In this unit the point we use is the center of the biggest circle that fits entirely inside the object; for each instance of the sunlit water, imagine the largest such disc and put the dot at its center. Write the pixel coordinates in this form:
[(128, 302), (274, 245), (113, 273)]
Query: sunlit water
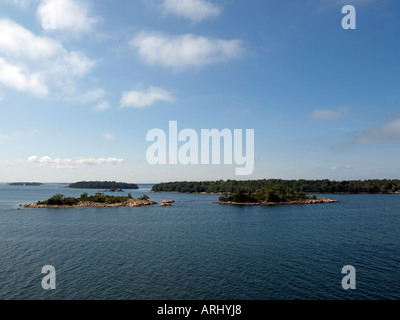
[(197, 249)]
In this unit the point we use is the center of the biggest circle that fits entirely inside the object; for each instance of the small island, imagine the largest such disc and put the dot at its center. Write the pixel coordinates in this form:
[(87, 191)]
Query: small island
[(276, 195), (99, 200), (26, 184), (102, 185), (114, 190)]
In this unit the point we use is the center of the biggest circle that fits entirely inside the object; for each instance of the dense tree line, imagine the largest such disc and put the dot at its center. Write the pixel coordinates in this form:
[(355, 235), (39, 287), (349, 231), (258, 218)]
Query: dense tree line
[(103, 185), (276, 193), (60, 200), (307, 186)]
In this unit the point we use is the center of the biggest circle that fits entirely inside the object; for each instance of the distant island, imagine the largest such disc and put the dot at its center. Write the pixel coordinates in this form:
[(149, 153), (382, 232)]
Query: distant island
[(109, 185), (307, 186), (114, 190), (271, 196), (99, 200), (26, 184)]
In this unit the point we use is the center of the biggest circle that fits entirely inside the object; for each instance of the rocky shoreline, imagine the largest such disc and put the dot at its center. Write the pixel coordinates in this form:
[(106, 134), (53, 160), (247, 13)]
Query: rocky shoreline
[(310, 201), (89, 204)]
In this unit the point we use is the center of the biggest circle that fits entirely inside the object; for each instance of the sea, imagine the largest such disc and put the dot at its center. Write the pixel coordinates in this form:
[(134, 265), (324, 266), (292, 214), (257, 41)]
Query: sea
[(199, 250)]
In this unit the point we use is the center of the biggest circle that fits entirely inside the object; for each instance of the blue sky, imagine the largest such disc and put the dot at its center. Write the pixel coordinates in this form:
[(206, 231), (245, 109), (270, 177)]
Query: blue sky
[(82, 82)]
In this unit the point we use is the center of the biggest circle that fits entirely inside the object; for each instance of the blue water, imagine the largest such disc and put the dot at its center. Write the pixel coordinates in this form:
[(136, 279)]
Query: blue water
[(197, 249)]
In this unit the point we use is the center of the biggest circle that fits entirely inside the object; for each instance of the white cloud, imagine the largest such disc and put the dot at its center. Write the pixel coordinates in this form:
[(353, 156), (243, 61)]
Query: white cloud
[(33, 159), (2, 96), (66, 15), (101, 161), (47, 161), (93, 95), (141, 99), (325, 114), (89, 96), (109, 136), (102, 106), (195, 10), (36, 64), (390, 132), (13, 77), (58, 163), (186, 50)]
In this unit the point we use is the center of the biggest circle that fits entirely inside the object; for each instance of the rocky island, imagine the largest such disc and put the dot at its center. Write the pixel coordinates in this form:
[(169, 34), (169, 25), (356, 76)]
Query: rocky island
[(167, 203), (268, 203), (277, 195), (99, 200), (114, 190)]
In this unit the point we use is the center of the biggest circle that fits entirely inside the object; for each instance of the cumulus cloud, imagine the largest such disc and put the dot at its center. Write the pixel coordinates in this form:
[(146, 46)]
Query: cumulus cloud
[(325, 114), (389, 132), (92, 95), (183, 51), (36, 64), (195, 10), (102, 106), (101, 161), (141, 99), (13, 77), (89, 96), (58, 163), (66, 15), (47, 161)]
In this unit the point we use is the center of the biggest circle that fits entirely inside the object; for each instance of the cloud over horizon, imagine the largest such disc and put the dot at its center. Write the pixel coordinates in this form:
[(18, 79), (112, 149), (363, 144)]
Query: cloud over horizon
[(58, 163)]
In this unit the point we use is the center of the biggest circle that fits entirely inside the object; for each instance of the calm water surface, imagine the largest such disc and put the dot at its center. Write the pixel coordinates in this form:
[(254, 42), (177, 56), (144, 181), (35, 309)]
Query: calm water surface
[(197, 249)]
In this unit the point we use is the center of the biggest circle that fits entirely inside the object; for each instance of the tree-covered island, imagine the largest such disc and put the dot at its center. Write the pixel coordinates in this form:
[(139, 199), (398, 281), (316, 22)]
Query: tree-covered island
[(26, 184), (271, 195), (98, 200), (109, 185), (308, 186)]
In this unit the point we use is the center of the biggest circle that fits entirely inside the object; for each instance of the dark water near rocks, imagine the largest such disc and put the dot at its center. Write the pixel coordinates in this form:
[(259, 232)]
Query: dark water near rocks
[(199, 250)]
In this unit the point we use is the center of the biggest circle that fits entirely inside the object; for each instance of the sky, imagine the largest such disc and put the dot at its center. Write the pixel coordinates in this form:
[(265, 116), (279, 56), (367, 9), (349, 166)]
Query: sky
[(83, 82)]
